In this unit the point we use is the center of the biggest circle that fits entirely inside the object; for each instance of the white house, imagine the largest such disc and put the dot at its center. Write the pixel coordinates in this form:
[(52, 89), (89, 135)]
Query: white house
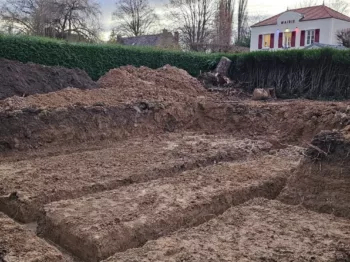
[(298, 28)]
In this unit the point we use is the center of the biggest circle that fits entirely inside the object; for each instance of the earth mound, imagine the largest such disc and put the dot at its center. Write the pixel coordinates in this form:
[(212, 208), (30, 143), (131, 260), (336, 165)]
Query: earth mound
[(119, 86), (165, 84), (322, 181), (19, 79)]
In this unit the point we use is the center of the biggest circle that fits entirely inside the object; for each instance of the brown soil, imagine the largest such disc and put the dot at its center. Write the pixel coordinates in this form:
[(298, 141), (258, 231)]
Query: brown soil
[(151, 152), (144, 84), (18, 79), (322, 181), (25, 186), (116, 220), (139, 101), (260, 230), (284, 122), (119, 86), (18, 244)]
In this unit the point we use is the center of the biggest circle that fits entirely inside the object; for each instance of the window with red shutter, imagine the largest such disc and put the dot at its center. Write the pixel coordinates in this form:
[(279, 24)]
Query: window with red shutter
[(272, 41), (260, 42), (280, 40), (293, 38), (302, 38), (317, 35)]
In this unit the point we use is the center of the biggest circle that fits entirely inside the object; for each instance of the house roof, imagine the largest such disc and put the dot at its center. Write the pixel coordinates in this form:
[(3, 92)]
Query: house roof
[(143, 40), (309, 13)]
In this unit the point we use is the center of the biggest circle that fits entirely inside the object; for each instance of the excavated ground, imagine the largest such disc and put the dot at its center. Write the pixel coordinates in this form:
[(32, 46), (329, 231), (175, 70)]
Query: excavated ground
[(116, 220), (151, 152), (322, 181), (292, 122), (19, 244), (29, 184), (260, 230)]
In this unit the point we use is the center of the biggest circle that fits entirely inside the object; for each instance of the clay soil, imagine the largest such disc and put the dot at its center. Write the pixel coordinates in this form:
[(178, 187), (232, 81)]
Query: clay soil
[(152, 167)]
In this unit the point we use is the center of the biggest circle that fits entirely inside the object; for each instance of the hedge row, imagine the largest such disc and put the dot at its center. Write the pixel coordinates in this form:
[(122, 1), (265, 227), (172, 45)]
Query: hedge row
[(315, 74), (97, 59)]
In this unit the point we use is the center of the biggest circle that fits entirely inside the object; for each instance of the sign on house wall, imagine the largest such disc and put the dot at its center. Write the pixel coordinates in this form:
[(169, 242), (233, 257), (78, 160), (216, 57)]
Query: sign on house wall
[(288, 19)]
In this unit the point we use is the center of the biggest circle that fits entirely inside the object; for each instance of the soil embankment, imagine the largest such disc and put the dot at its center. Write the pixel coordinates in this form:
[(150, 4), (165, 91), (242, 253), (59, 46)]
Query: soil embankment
[(322, 181)]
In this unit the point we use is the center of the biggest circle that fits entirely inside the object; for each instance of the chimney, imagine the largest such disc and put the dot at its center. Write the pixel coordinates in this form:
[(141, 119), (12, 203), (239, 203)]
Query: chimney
[(176, 37), (165, 32)]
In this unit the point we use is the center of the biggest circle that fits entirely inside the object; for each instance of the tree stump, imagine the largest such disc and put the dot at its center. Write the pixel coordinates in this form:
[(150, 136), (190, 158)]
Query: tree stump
[(223, 66)]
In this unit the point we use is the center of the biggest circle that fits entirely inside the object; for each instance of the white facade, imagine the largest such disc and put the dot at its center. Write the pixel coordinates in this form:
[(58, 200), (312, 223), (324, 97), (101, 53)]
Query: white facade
[(289, 22)]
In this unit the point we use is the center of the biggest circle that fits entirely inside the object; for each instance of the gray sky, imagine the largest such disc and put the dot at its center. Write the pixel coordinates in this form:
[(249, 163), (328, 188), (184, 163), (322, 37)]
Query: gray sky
[(255, 7)]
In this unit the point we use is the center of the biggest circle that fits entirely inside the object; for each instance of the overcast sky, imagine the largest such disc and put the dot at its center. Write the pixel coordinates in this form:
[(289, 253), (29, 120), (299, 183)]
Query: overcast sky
[(255, 7)]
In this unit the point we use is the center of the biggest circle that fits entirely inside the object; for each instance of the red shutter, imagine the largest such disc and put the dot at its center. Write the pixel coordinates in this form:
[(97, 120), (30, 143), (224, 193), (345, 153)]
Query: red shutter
[(272, 41), (260, 41), (302, 38), (280, 40), (294, 34), (317, 35)]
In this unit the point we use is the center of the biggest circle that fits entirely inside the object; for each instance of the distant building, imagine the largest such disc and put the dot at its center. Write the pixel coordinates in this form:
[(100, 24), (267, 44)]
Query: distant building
[(164, 40), (299, 28)]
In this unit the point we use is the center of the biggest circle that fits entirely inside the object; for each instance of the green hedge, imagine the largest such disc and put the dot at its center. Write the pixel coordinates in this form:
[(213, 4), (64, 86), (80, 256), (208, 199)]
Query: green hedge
[(97, 59), (315, 74)]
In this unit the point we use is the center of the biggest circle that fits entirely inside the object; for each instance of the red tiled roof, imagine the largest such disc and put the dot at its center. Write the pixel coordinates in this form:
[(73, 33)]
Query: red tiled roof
[(309, 13)]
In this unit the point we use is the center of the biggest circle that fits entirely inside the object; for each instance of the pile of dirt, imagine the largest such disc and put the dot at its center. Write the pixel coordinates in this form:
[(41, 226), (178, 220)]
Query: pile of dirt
[(18, 79), (119, 86), (165, 84), (322, 181)]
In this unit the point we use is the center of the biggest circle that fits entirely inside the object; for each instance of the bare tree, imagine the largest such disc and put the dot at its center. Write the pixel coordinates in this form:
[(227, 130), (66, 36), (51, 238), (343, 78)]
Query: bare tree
[(196, 21), (55, 18), (224, 22), (341, 6), (307, 3), (253, 19), (343, 37), (134, 17), (26, 16), (78, 17), (242, 20), (113, 37)]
